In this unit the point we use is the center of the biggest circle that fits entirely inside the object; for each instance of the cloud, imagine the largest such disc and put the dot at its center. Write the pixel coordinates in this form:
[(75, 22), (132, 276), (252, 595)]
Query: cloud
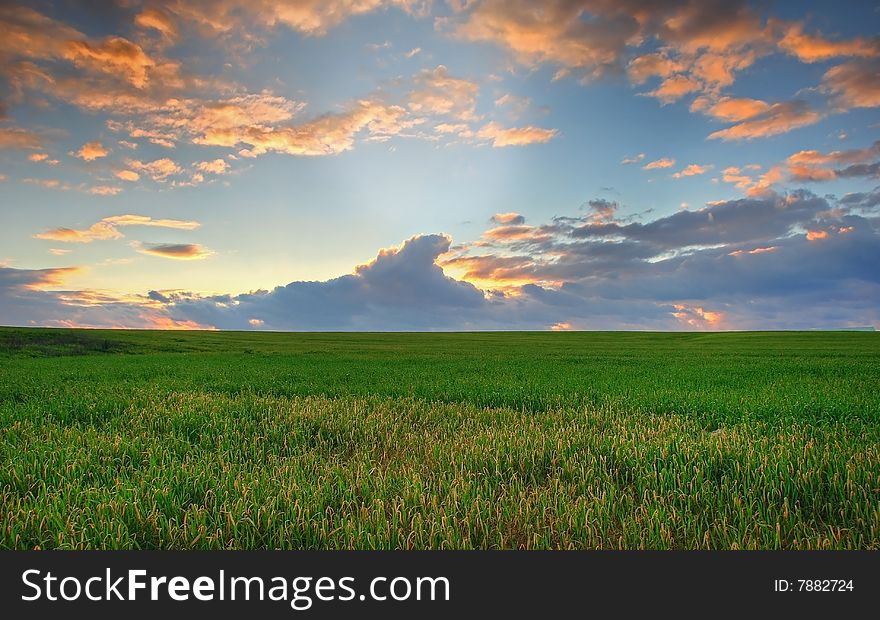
[(674, 88), (152, 18), (115, 56), (508, 218), (601, 211), (105, 190), (646, 66), (108, 228), (813, 165), (114, 72), (815, 48), (633, 160), (515, 136), (691, 170), (127, 175), (47, 183), (779, 261), (330, 134), (657, 164), (239, 18), (438, 93), (554, 32), (702, 43), (44, 158), (853, 84), (515, 105), (216, 166), (176, 251), (91, 151), (777, 119), (18, 138), (158, 170), (402, 288), (31, 297), (731, 109)]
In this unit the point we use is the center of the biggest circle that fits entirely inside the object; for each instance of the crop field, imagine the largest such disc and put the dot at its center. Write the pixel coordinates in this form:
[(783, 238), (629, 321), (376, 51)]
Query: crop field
[(233, 440)]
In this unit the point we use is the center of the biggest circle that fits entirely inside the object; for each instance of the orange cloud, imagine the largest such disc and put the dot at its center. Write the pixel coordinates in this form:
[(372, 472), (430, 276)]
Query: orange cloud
[(176, 251), (161, 22), (853, 156), (311, 17), (737, 109), (217, 166), (658, 164), (51, 278), (641, 68), (108, 227), (547, 32), (815, 48), (167, 323), (508, 218), (158, 170), (762, 186), (492, 272), (91, 151), (633, 160), (815, 235), (26, 30), (853, 84), (698, 317), (718, 69), (691, 170), (813, 165), (127, 175), (115, 56), (17, 138), (43, 157), (674, 88), (766, 250), (439, 93), (326, 135), (104, 190), (514, 232), (515, 136), (561, 327), (779, 118)]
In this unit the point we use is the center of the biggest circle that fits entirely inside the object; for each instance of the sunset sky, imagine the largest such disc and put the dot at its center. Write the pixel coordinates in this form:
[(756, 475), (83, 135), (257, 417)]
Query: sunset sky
[(460, 164)]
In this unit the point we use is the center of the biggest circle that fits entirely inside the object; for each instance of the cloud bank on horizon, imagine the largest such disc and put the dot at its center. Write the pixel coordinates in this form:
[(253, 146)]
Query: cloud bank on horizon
[(158, 158)]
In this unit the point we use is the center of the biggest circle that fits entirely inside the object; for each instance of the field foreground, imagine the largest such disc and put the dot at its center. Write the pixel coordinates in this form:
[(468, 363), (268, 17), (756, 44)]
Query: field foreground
[(123, 439)]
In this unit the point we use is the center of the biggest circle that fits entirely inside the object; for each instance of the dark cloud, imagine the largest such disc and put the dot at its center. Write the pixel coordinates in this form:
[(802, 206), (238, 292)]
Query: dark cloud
[(178, 251), (782, 261), (727, 222), (400, 289)]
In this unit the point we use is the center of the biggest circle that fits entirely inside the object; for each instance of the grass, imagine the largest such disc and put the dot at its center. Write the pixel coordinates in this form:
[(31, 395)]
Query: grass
[(490, 440)]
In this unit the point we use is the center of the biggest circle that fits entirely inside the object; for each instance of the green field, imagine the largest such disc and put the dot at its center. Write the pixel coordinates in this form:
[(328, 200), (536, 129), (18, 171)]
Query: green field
[(125, 439)]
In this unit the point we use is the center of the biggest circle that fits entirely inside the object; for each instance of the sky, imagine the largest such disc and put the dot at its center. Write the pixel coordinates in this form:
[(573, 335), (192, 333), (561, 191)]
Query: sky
[(448, 165)]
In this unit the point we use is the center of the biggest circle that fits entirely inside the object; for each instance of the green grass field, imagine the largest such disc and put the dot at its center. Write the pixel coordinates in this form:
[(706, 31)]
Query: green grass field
[(124, 439)]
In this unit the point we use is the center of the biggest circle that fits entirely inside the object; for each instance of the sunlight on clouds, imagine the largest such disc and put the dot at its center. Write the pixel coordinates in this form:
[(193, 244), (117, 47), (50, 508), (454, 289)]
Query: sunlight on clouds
[(778, 118), (515, 136), (91, 151), (175, 251), (659, 164), (108, 228)]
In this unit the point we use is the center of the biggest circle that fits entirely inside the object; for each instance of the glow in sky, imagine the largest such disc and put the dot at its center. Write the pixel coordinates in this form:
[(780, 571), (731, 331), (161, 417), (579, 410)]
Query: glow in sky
[(460, 164)]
